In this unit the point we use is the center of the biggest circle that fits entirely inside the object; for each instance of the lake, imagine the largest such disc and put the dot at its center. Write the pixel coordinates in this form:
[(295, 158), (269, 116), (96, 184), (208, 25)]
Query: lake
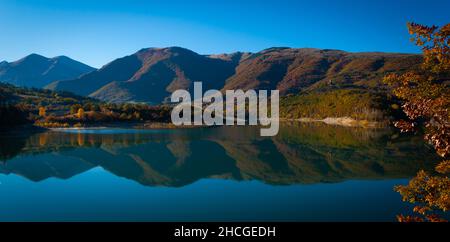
[(308, 172)]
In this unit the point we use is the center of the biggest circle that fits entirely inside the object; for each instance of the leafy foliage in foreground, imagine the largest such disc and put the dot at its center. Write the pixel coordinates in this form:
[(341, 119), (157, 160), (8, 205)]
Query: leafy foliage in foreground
[(426, 104)]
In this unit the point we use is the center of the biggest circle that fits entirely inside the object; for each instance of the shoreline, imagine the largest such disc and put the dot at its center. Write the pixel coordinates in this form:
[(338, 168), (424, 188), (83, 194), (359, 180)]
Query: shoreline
[(134, 125), (341, 121)]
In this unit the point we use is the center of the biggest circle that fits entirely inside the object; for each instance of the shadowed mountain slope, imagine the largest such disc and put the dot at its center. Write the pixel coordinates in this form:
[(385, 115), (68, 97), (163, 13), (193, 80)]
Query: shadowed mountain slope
[(38, 71), (151, 75)]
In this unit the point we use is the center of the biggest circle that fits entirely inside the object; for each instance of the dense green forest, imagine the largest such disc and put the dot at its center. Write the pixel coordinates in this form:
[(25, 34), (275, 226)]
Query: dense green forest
[(356, 103)]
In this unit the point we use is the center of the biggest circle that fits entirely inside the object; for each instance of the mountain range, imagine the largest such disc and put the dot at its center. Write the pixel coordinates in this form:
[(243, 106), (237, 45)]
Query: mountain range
[(38, 71), (152, 74)]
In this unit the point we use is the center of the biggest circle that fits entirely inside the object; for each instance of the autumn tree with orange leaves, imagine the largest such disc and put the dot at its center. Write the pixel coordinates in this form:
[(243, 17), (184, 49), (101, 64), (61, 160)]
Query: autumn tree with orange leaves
[(426, 99)]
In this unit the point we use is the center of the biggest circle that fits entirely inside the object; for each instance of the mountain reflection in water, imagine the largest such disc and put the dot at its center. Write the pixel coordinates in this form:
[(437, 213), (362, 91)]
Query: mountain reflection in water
[(300, 154)]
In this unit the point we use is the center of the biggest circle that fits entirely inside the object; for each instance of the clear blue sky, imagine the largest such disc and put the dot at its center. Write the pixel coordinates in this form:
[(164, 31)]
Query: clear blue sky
[(96, 32)]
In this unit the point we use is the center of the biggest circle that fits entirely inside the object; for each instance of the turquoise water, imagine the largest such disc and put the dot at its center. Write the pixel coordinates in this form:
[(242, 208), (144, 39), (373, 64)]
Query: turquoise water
[(305, 173)]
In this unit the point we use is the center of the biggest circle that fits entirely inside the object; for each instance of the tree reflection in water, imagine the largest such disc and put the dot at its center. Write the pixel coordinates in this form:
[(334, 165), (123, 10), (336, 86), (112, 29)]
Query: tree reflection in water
[(300, 154)]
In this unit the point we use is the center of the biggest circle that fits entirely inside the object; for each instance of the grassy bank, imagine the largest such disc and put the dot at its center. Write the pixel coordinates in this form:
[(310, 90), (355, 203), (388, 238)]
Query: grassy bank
[(355, 104)]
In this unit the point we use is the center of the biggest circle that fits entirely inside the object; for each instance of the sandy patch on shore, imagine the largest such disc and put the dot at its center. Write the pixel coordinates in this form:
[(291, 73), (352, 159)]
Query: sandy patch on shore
[(342, 121)]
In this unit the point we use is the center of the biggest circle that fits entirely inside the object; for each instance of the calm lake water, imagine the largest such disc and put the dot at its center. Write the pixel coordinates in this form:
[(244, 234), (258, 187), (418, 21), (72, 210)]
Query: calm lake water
[(308, 172)]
